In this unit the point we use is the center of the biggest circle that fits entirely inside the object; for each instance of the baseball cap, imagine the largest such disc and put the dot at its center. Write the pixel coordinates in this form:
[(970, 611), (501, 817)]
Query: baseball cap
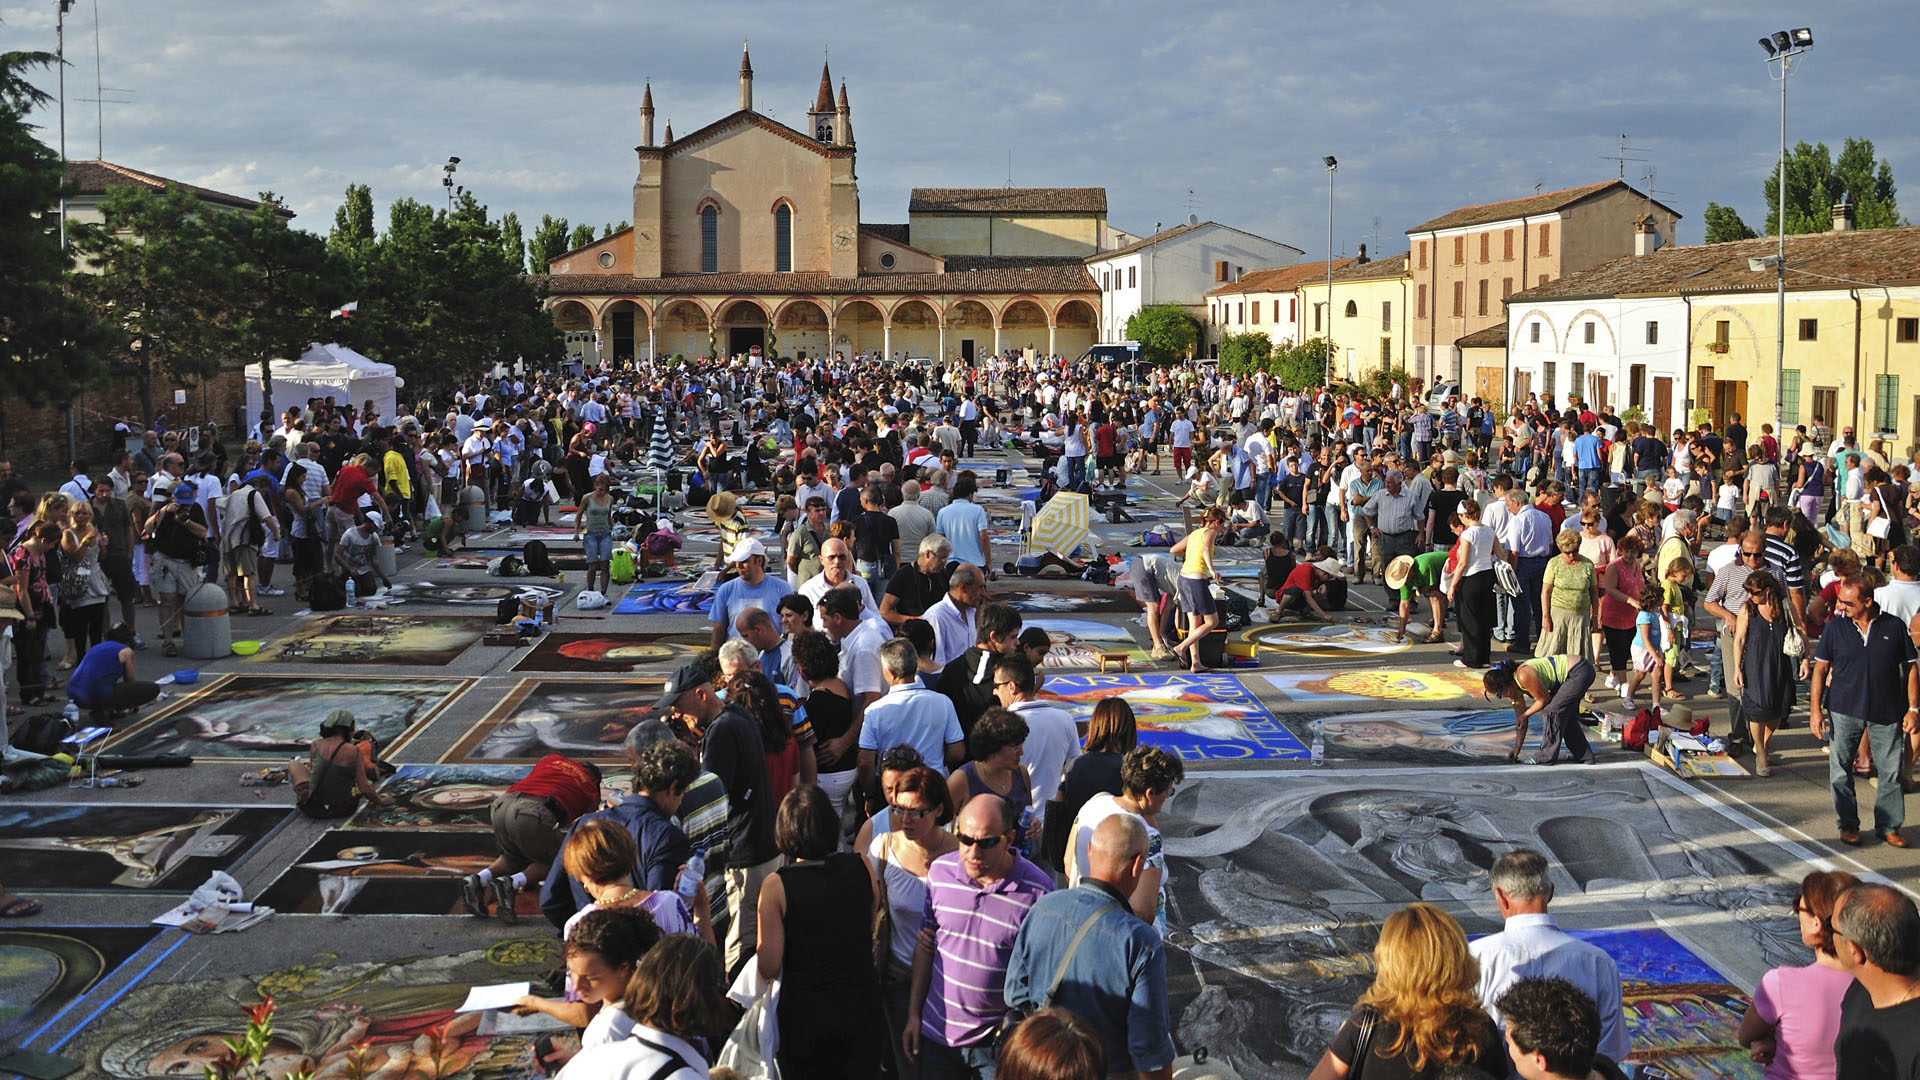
[(686, 678), (747, 549), (186, 493), (378, 521)]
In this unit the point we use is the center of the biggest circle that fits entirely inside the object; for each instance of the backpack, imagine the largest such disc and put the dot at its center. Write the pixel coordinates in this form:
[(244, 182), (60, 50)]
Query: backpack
[(506, 610), (620, 568), (534, 555), (326, 592), (1236, 611), (40, 734), (1644, 723)]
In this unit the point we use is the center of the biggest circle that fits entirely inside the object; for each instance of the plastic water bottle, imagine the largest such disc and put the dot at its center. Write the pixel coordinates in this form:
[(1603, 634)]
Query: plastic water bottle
[(71, 714), (1318, 753), (1021, 831), (351, 600), (688, 883)]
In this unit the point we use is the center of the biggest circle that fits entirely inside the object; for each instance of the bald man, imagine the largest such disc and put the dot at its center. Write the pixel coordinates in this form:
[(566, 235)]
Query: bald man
[(836, 569)]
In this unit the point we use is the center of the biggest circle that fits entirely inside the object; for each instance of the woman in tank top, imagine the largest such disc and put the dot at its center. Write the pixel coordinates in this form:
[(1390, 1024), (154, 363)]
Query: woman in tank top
[(594, 523), (996, 743)]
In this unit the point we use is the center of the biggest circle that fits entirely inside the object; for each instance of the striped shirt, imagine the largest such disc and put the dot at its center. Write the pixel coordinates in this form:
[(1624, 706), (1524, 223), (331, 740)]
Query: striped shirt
[(1784, 560), (974, 928)]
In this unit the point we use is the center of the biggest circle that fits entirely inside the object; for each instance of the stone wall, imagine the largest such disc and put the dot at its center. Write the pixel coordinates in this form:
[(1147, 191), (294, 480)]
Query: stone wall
[(35, 440)]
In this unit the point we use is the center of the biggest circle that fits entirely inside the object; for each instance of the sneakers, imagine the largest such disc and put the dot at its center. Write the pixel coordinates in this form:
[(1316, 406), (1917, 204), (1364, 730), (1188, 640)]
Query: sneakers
[(473, 896), (139, 642), (268, 590), (503, 898), (1612, 684), (1162, 653), (1627, 702)]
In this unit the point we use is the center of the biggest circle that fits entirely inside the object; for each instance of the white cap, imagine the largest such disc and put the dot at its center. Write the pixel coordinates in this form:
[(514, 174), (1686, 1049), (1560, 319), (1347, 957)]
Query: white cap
[(378, 521), (747, 549)]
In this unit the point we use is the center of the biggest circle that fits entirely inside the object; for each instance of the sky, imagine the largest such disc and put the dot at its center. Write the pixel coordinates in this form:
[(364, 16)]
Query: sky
[(1221, 111)]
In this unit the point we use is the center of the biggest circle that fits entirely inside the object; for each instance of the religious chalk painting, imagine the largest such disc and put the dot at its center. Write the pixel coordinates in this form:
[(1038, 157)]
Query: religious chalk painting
[(486, 595), (665, 598), (585, 720), (1319, 639), (43, 969), (126, 846), (611, 653), (386, 872), (269, 717), (1278, 883), (403, 1010), (1196, 716), (456, 797), (1031, 596), (422, 640), (1377, 684)]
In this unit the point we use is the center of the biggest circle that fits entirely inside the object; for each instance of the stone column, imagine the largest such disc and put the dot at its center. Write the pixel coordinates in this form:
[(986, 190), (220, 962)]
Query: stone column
[(886, 338)]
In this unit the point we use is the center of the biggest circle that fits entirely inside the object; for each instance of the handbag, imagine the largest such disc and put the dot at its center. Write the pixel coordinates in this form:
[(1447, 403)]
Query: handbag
[(1017, 1013), (1505, 578), (882, 918), (1363, 1041), (1794, 643)]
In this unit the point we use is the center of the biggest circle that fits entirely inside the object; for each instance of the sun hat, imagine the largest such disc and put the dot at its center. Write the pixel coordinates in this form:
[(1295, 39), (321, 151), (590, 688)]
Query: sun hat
[(1398, 570)]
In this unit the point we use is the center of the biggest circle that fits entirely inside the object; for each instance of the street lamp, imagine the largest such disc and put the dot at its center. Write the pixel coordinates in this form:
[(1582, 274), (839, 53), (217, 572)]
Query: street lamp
[(447, 180), (1332, 165), (1784, 46)]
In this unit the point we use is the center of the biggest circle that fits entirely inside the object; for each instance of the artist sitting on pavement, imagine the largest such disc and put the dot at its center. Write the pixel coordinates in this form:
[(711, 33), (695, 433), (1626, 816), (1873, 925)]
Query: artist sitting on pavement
[(353, 555), (341, 766), (105, 680)]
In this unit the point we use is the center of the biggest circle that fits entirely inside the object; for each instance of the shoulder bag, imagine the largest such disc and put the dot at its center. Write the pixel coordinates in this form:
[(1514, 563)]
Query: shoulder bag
[(1363, 1041), (1016, 1013), (882, 917)]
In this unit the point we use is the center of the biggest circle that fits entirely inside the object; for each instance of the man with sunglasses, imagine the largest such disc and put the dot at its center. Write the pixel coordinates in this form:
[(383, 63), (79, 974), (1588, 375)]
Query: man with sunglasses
[(1723, 601), (977, 899), (1864, 673)]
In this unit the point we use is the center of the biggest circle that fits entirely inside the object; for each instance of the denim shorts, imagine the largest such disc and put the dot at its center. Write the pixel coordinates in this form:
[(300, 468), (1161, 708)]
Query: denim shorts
[(599, 547)]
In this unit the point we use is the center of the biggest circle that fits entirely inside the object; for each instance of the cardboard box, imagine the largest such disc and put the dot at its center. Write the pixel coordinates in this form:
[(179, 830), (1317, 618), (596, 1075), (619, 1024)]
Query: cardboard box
[(1696, 766)]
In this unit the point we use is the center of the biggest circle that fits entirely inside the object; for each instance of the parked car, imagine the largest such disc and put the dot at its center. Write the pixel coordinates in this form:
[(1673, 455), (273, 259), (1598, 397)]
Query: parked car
[(1438, 397)]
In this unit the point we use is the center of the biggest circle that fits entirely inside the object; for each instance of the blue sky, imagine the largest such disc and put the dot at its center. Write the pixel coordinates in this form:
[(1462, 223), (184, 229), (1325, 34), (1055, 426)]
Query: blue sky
[(1428, 106)]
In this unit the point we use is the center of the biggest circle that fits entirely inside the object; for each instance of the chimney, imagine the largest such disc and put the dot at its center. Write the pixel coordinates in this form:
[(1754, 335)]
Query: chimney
[(1646, 240), (746, 81), (646, 117), (1842, 216), (1362, 260)]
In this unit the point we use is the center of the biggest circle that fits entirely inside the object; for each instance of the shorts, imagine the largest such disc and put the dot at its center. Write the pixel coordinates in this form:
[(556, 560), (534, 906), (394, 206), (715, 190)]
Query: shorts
[(1108, 461), (599, 547), (174, 577), (526, 829), (1146, 588), (244, 561), (1645, 661), (1196, 597)]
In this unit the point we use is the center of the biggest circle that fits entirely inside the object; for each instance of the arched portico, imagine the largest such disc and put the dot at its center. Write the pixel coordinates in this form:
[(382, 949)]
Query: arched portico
[(802, 324), (684, 326), (741, 324), (860, 326), (973, 329), (1023, 325), (1075, 329), (625, 327), (914, 329)]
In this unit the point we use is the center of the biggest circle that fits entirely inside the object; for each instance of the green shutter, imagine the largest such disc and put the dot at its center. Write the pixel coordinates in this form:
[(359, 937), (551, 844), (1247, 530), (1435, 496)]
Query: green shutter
[(1790, 397), (1886, 403)]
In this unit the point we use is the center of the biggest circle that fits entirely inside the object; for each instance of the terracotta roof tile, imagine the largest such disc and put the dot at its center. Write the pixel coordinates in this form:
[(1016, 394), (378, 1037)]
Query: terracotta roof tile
[(96, 177), (1091, 200), (1392, 266), (1542, 203), (1493, 337), (1881, 256), (1069, 276), (1279, 278)]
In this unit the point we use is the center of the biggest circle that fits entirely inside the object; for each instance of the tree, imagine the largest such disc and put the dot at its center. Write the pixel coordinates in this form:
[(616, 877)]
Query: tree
[(286, 282), (1242, 354), (352, 237), (1816, 182), (1166, 333), (549, 242), (513, 243), (1300, 366), (582, 236), (50, 339), (1724, 224)]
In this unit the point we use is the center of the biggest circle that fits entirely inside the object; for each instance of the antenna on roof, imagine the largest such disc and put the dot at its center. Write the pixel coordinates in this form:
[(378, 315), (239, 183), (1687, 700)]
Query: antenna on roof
[(1623, 156), (1374, 236), (101, 100), (1537, 185), (1191, 218), (1009, 166)]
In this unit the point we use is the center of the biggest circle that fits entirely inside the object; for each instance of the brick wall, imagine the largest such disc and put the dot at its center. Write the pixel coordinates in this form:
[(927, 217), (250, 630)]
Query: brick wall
[(35, 440)]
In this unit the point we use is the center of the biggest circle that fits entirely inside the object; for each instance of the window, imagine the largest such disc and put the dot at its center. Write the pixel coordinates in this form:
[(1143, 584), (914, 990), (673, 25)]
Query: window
[(1721, 331), (1419, 357), (1579, 379), (1386, 315), (1542, 280), (1506, 245), (1483, 296), (1547, 373), (1546, 238), (1790, 397), (1106, 281), (783, 239), (1459, 250), (1276, 309), (886, 260), (1240, 312), (1826, 403), (1506, 287), (1533, 332), (1810, 331), (1653, 333), (1459, 298), (1485, 240), (1420, 302), (1886, 403), (1353, 309), (1906, 331), (1588, 332), (1133, 277), (1256, 312), (1423, 254), (709, 239), (1316, 317), (1637, 385), (1220, 271), (1386, 353)]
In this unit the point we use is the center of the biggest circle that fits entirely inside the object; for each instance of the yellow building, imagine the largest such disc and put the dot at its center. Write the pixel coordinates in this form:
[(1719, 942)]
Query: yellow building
[(1009, 221), (1368, 329), (1264, 302)]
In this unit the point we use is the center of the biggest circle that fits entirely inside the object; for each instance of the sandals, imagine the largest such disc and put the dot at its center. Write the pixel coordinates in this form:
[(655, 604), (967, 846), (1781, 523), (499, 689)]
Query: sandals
[(255, 610), (1433, 639)]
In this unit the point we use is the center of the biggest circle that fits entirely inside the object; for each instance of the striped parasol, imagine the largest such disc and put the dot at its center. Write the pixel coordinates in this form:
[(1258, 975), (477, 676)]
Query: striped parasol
[(1061, 525), (660, 451)]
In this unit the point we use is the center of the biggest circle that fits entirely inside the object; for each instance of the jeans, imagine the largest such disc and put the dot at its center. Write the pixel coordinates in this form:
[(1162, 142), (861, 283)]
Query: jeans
[(1884, 742), (1293, 522), (1560, 720), (1333, 531), (940, 1062), (1526, 606), (1263, 490), (1717, 671), (1076, 472), (1590, 480), (1502, 616), (879, 574)]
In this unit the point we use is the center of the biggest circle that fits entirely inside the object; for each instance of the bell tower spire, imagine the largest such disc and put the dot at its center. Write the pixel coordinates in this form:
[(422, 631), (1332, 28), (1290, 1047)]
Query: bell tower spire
[(746, 80), (646, 116), (820, 118)]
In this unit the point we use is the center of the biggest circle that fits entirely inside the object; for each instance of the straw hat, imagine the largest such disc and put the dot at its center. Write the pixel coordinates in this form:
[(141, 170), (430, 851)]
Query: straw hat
[(721, 507), (1398, 571), (10, 604)]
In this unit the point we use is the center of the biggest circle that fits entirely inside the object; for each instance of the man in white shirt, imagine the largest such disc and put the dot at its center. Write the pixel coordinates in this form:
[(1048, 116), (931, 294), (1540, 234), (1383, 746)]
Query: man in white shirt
[(955, 617), (1900, 597), (1053, 738), (840, 618), (1532, 945), (836, 571), (909, 713)]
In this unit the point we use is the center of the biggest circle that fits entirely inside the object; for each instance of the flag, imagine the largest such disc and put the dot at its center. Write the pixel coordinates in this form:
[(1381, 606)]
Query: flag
[(345, 311)]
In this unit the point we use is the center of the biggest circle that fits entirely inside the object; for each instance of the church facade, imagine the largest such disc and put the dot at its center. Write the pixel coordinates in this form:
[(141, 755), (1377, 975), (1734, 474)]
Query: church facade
[(748, 233)]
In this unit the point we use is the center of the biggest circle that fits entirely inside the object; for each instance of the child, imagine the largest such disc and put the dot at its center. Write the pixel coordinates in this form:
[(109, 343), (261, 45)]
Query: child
[(601, 952), (1727, 501), (1673, 489), (1651, 633), (1673, 597)]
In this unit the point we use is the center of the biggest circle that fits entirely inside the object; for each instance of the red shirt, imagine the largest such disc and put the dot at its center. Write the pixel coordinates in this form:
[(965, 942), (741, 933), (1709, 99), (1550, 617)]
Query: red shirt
[(1301, 578), (1104, 439), (352, 483), (565, 781), (1555, 510)]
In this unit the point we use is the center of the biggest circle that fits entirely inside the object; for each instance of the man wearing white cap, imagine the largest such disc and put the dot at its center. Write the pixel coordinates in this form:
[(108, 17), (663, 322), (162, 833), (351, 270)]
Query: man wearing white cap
[(752, 589)]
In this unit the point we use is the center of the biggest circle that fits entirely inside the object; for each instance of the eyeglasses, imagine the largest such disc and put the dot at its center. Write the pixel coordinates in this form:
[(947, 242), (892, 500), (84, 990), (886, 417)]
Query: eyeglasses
[(983, 843), (1003, 684), (914, 813), (1753, 554)]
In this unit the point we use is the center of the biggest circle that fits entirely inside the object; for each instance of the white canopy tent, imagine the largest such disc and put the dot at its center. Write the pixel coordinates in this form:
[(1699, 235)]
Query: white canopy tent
[(325, 371)]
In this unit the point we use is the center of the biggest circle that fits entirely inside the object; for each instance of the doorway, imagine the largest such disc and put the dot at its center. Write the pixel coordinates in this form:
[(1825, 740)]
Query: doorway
[(966, 349), (743, 339), (1662, 405)]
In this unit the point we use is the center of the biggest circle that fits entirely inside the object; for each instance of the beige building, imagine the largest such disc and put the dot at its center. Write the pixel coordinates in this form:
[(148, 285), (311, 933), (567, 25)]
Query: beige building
[(747, 233), (1369, 326), (1264, 302), (1465, 263)]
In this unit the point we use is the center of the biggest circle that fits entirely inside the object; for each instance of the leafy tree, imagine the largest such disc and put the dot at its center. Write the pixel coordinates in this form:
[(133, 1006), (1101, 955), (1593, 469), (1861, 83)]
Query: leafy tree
[(549, 242), (1815, 182), (286, 283), (1300, 366), (513, 243), (352, 237), (165, 277), (1724, 224), (1242, 354), (582, 236), (51, 340), (1166, 332)]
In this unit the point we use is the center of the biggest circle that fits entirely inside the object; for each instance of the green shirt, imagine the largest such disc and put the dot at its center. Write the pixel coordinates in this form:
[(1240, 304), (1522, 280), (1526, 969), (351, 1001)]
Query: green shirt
[(1572, 584), (1427, 571)]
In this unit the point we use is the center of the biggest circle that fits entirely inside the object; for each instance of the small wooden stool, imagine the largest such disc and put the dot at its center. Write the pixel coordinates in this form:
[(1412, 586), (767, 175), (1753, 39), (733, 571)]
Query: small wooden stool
[(1116, 657)]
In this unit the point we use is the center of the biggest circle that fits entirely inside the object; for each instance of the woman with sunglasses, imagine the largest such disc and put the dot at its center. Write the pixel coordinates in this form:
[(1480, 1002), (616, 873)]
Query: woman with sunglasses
[(1763, 674), (918, 807), (1795, 1015)]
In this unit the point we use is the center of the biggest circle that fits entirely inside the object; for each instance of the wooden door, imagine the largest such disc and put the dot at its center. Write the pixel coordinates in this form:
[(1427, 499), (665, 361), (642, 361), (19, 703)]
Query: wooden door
[(1663, 405), (1600, 399), (1522, 386)]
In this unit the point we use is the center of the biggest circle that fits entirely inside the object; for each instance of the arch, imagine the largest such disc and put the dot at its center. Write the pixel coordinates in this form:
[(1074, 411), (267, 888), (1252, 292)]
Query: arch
[(783, 214), (791, 303), (683, 325), (907, 310), (969, 311), (1076, 327), (572, 315), (624, 323), (860, 326), (1065, 315), (1353, 310), (914, 326), (1574, 323), (1704, 318), (1552, 333), (1017, 309), (729, 311)]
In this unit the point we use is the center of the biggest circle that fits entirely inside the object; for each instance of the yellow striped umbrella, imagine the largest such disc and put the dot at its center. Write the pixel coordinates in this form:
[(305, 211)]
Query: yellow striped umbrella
[(1061, 525)]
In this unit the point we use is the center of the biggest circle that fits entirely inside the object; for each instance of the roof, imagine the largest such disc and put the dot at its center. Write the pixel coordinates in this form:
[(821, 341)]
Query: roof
[(595, 242), (1069, 276), (1278, 279), (97, 177), (895, 233), (1543, 203), (1857, 256), (1009, 262), (1165, 235), (1011, 200), (1493, 337), (1392, 266), (739, 118)]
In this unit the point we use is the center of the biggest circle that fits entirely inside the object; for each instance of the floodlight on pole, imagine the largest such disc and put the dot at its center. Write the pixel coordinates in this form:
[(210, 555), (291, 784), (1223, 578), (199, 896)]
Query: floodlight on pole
[(1784, 47)]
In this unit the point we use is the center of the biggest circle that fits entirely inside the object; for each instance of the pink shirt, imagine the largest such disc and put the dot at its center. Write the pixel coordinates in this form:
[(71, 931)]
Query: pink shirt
[(1803, 1005)]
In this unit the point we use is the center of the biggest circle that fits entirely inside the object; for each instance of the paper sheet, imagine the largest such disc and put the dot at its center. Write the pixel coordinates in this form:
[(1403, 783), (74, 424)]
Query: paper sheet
[(498, 996)]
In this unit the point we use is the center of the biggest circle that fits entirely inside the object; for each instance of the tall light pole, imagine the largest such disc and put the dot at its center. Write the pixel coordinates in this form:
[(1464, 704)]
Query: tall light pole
[(1782, 46), (60, 46), (1332, 165), (446, 181)]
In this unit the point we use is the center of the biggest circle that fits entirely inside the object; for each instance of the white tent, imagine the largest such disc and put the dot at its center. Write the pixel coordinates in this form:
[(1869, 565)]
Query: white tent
[(325, 371)]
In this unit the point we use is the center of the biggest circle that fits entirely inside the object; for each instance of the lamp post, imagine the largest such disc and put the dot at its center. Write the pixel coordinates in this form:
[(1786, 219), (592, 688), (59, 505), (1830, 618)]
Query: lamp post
[(1783, 46), (60, 40), (446, 181), (1332, 165)]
